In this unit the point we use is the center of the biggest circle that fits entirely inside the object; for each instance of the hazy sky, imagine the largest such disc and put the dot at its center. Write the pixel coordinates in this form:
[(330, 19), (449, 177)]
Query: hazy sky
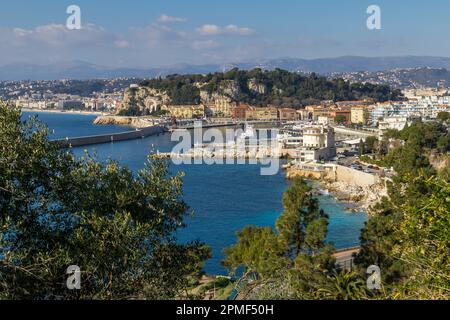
[(148, 33)]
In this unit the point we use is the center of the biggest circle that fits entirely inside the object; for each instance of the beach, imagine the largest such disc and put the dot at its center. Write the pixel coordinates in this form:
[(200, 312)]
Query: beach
[(90, 113)]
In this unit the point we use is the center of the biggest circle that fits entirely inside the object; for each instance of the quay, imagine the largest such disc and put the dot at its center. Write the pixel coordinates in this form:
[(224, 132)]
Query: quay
[(108, 138)]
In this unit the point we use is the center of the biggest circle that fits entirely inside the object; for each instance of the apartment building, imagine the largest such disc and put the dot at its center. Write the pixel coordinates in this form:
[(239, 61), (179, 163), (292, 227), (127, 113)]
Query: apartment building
[(185, 111), (359, 115)]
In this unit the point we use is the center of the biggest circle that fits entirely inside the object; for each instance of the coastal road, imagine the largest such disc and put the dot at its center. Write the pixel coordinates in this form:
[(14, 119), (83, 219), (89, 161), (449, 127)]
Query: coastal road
[(344, 258)]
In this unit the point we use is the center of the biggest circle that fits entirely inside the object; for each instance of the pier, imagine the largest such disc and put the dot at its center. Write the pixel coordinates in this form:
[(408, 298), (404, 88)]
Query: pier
[(112, 137)]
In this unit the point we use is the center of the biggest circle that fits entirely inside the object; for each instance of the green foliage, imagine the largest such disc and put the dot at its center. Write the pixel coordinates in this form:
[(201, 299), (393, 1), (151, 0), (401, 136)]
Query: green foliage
[(343, 285), (443, 116), (370, 144), (257, 250), (424, 134), (57, 210), (185, 94), (408, 237), (378, 239), (426, 246), (391, 134), (443, 143), (362, 148), (302, 226), (340, 119)]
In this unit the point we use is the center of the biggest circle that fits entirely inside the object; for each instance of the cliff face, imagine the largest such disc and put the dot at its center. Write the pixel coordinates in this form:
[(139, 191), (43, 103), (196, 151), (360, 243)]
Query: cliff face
[(143, 100), (254, 86)]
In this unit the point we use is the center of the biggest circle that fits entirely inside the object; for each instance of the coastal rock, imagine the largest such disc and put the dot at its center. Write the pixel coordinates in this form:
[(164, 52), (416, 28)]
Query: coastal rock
[(364, 197), (135, 122)]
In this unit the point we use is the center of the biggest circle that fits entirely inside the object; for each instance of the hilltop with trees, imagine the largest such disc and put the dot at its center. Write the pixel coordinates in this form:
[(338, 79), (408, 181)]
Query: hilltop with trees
[(260, 88)]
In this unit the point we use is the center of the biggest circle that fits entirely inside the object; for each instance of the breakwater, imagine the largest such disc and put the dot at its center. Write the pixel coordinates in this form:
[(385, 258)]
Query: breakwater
[(108, 138)]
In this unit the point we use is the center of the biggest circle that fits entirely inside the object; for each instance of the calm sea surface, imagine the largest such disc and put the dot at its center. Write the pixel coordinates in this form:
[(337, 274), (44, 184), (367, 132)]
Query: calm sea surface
[(225, 198)]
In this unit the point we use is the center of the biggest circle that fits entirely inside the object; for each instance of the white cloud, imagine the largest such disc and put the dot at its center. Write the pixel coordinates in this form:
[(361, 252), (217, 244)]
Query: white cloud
[(154, 44), (231, 29), (54, 42), (164, 18), (57, 35), (243, 31), (156, 35), (209, 29)]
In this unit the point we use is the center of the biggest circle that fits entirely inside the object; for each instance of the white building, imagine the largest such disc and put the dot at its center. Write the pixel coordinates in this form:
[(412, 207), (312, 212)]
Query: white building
[(318, 144), (393, 123), (426, 107)]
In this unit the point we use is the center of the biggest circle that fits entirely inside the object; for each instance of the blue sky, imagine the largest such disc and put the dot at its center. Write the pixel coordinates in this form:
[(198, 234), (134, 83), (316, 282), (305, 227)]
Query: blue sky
[(151, 33)]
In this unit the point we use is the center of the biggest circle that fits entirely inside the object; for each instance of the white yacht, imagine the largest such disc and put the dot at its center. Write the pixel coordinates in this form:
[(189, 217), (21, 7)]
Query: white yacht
[(248, 133)]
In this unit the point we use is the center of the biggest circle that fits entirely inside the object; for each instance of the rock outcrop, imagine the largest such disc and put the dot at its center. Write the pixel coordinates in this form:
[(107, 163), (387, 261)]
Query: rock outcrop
[(143, 101), (364, 198), (256, 87), (135, 122)]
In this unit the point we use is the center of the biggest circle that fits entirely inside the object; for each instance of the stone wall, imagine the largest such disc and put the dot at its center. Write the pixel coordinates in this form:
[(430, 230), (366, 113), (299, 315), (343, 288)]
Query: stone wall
[(351, 176), (335, 173)]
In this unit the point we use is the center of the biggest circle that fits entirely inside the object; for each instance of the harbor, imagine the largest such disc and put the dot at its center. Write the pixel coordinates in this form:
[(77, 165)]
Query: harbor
[(251, 199)]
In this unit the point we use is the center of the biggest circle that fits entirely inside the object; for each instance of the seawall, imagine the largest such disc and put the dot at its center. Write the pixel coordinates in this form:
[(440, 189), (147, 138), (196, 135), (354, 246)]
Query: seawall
[(108, 138)]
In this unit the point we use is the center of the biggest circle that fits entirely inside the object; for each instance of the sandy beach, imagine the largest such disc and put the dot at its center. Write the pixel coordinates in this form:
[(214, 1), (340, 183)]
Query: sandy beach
[(92, 113)]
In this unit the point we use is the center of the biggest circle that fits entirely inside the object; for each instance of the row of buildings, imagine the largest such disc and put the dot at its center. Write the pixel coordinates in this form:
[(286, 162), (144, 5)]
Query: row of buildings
[(369, 113), (345, 112), (105, 102), (101, 103), (235, 111)]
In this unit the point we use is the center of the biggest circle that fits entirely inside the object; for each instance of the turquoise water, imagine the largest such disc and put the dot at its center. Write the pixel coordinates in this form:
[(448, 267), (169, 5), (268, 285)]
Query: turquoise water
[(73, 125), (225, 198)]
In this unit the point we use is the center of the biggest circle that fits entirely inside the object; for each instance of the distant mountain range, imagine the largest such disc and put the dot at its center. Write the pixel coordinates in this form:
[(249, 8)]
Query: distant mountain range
[(85, 70)]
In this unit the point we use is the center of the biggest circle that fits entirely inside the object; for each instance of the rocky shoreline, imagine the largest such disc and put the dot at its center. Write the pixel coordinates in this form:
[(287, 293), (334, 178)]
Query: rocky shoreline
[(363, 198)]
